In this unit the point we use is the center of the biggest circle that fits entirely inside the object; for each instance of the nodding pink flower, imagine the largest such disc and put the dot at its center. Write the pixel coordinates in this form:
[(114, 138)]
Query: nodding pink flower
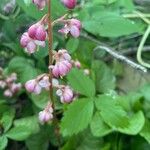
[(15, 87), (44, 83), (63, 55), (66, 94), (73, 26), (61, 68), (37, 32), (40, 3), (32, 86), (11, 78), (30, 44), (46, 115), (8, 93), (69, 3)]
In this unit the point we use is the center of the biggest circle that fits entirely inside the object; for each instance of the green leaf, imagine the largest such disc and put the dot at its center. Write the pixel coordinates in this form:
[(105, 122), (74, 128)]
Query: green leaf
[(98, 127), (23, 68), (3, 142), (72, 45), (23, 128), (7, 119), (105, 2), (136, 123), (104, 78), (145, 90), (81, 83), (77, 117), (146, 131), (40, 100), (110, 24), (112, 113)]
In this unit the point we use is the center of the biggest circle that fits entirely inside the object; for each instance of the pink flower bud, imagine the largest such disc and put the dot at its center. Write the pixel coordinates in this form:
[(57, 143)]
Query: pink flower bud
[(40, 3), (8, 93), (77, 64), (33, 87), (28, 43), (37, 32), (63, 55), (15, 87), (73, 26), (61, 68), (69, 3), (46, 115), (66, 94)]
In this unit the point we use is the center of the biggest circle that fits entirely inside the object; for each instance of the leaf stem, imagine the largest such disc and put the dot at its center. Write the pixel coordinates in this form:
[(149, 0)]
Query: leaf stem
[(140, 48)]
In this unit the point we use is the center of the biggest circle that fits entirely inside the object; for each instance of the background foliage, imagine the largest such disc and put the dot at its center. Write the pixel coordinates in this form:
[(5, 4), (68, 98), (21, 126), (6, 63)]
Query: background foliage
[(113, 109)]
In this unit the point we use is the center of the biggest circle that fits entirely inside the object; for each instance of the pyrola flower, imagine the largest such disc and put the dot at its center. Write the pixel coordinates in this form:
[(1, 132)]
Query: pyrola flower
[(46, 115), (69, 3), (65, 93), (37, 32), (72, 26), (8, 93), (40, 3)]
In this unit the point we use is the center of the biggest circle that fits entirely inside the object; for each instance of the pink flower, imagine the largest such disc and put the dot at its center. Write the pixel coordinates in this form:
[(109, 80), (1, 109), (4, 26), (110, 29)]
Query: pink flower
[(32, 86), (40, 3), (61, 68), (46, 115), (15, 87), (8, 93), (30, 44), (69, 3), (37, 32), (73, 26), (66, 94), (77, 64), (63, 55)]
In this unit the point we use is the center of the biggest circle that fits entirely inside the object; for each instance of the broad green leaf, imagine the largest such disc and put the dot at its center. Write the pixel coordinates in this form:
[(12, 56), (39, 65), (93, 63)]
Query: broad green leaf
[(7, 119), (98, 127), (3, 142), (81, 83), (19, 133), (109, 24), (23, 128), (23, 68), (146, 131), (104, 78), (77, 117), (72, 45), (112, 113), (145, 90), (136, 123), (105, 2), (41, 99)]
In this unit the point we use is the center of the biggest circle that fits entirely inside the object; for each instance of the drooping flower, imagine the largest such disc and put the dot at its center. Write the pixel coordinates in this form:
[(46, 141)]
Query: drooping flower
[(65, 93), (40, 3), (37, 32), (46, 115), (69, 3), (72, 26)]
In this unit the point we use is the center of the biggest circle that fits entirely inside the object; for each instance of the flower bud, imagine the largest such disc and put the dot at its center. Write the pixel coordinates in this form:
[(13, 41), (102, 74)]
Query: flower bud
[(46, 115), (8, 93), (73, 26), (37, 32), (40, 3), (66, 94), (69, 3), (32, 86), (61, 68)]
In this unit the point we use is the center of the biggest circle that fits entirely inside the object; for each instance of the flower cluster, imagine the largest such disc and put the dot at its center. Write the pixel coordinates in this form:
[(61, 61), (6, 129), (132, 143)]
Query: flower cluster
[(36, 36), (8, 84)]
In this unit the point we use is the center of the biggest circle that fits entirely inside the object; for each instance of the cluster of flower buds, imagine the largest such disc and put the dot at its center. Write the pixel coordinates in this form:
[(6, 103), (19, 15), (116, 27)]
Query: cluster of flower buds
[(9, 85), (47, 114), (41, 82), (34, 37), (62, 63)]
